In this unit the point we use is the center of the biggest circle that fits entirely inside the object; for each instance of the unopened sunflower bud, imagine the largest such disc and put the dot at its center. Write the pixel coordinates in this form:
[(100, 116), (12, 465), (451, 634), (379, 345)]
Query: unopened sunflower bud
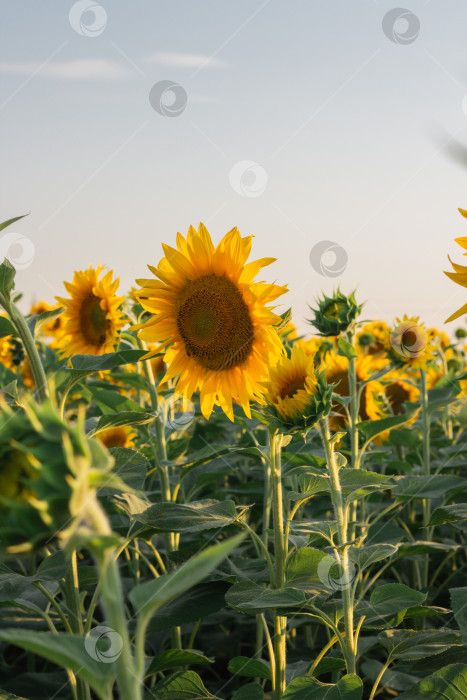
[(335, 314)]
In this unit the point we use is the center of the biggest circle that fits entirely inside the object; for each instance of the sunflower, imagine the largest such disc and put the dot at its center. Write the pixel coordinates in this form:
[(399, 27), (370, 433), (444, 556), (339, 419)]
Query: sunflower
[(292, 382), (409, 344), (213, 318), (92, 318), (459, 276), (372, 337), (121, 436)]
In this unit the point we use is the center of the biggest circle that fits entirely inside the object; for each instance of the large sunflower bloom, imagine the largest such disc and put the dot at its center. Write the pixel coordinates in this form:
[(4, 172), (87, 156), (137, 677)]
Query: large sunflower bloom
[(292, 382), (214, 316), (409, 344), (92, 319)]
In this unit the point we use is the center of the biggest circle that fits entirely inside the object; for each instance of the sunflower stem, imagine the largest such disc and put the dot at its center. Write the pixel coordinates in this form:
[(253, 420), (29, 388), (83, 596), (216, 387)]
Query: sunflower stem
[(426, 465), (162, 467), (354, 409), (114, 606), (30, 349), (280, 623), (340, 510)]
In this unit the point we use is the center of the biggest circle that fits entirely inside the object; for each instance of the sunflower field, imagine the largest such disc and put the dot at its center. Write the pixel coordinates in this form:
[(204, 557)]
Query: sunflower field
[(196, 501)]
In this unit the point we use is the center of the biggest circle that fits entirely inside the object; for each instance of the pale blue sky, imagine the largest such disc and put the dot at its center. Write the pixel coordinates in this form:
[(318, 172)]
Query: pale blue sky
[(349, 128)]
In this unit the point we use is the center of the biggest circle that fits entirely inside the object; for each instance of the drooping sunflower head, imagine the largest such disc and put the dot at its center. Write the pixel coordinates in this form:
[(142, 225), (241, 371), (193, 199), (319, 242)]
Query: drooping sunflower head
[(409, 344), (297, 395), (335, 314), (92, 320), (212, 316)]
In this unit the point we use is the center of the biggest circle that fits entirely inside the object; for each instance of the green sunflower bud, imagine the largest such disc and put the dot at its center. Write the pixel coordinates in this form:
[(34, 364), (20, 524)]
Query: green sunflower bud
[(48, 470), (461, 333), (335, 314), (366, 340)]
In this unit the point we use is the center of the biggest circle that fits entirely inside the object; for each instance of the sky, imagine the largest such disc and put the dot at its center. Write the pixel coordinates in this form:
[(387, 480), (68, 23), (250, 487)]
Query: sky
[(330, 130)]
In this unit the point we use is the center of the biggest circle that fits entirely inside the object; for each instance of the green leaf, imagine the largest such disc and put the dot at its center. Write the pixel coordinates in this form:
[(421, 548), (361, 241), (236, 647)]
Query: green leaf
[(110, 401), (148, 597), (188, 517), (252, 668), (4, 695), (114, 420), (249, 597), (7, 279), (369, 554), (356, 483), (98, 363), (131, 466), (4, 224), (250, 691), (409, 487), (181, 686), (391, 679), (449, 514), (345, 348), (389, 599), (459, 606), (199, 602), (68, 651), (173, 658), (371, 428), (302, 569), (411, 644), (6, 327), (449, 683), (349, 687), (37, 321)]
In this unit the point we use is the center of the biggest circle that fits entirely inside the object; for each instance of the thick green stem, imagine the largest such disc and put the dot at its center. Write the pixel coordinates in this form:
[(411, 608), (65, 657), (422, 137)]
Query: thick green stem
[(30, 349), (114, 607), (354, 410), (280, 623), (162, 468), (425, 465), (342, 527), (74, 616)]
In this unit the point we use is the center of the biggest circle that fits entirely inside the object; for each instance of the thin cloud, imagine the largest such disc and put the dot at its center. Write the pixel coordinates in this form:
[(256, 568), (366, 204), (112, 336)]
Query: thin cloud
[(87, 69), (185, 60)]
